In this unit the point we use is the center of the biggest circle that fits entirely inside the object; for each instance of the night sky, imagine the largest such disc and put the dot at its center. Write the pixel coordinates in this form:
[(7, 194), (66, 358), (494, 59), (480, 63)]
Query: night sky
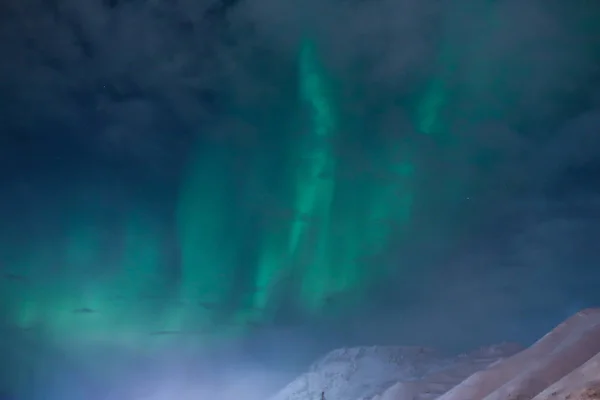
[(236, 187)]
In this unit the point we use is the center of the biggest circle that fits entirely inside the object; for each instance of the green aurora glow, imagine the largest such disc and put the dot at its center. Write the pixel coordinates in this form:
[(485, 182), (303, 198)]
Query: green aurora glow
[(316, 255)]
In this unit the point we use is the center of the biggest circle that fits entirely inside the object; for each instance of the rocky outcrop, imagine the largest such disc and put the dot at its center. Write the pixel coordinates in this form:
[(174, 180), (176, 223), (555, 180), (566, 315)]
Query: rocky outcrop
[(388, 373), (531, 371), (581, 384), (563, 365)]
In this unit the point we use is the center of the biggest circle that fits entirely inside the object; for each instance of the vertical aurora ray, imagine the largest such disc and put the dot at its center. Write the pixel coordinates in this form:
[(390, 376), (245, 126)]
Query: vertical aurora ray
[(208, 251), (92, 284), (458, 94), (310, 234), (430, 107), (300, 250), (433, 101), (464, 60), (337, 225)]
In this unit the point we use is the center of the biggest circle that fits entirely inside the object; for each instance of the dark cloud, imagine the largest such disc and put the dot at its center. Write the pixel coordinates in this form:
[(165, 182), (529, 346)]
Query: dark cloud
[(93, 70), (82, 64)]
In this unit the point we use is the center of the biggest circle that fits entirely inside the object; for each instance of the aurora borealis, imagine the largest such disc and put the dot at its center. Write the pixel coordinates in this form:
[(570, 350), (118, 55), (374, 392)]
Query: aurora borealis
[(115, 287), (107, 280), (181, 185)]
